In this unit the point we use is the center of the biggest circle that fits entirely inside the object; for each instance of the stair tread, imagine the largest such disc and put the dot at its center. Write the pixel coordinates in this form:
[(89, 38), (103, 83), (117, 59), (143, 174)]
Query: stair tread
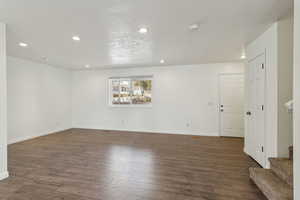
[(270, 184), (284, 163), (283, 167)]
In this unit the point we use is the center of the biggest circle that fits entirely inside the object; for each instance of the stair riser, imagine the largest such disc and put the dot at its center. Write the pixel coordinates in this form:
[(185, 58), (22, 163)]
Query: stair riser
[(282, 175)]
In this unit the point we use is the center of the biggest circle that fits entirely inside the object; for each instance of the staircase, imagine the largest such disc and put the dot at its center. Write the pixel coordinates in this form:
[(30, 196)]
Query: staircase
[(276, 183)]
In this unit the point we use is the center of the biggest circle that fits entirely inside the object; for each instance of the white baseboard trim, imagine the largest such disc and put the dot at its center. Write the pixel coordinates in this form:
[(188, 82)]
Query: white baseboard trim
[(171, 132), (245, 151), (29, 137), (4, 175)]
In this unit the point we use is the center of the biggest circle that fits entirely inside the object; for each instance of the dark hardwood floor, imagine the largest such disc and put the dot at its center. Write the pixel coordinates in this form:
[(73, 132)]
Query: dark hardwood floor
[(102, 165)]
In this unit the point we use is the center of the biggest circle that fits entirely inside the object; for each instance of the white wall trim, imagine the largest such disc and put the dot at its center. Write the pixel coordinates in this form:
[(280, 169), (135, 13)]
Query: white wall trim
[(296, 114), (33, 136), (3, 102), (4, 175), (171, 132)]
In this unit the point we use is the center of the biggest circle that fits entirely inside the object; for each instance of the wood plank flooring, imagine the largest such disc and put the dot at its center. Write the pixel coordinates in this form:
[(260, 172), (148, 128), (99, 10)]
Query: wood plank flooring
[(102, 165)]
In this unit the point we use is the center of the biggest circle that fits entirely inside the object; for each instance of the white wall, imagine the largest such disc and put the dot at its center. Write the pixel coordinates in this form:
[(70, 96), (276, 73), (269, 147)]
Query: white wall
[(297, 100), (3, 104), (181, 95), (285, 83), (39, 99), (277, 44), (267, 43)]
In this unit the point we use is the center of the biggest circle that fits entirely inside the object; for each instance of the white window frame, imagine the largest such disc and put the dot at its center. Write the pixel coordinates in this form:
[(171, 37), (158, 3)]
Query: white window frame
[(131, 78)]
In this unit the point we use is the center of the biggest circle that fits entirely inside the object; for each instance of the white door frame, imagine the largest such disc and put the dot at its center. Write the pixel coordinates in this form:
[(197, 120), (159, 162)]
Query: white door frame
[(266, 148), (219, 97), (296, 114), (3, 103)]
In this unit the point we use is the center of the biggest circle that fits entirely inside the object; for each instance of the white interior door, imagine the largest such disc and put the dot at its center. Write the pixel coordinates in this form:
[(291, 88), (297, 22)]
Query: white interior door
[(255, 120), (231, 105)]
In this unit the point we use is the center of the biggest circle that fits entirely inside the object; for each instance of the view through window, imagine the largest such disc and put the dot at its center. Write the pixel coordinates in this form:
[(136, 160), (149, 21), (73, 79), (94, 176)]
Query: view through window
[(131, 91)]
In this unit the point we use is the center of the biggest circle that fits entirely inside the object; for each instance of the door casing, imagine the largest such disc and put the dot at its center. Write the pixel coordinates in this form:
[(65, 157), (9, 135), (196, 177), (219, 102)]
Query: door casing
[(219, 96)]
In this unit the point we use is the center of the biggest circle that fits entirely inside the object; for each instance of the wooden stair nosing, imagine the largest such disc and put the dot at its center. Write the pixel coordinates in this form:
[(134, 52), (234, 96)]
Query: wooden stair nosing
[(283, 168)]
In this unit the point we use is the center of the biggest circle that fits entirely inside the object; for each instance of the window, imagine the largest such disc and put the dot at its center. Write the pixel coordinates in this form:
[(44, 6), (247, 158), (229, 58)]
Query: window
[(130, 91)]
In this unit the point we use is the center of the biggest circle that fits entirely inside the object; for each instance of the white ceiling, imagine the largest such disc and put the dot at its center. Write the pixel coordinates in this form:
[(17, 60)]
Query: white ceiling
[(109, 30)]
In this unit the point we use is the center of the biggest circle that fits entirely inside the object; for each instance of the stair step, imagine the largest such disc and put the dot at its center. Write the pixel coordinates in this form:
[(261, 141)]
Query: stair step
[(270, 184), (283, 168)]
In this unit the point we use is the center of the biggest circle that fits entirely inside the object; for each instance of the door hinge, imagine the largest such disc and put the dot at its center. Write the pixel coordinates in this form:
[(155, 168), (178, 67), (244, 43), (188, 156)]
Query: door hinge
[(263, 66), (262, 107), (262, 149)]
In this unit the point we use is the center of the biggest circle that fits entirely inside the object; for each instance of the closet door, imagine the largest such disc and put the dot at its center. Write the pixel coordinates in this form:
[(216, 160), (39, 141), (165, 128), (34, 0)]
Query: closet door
[(255, 120)]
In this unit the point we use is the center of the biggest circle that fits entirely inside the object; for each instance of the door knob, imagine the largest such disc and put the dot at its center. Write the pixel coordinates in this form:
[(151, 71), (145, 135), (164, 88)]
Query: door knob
[(248, 113), (222, 110)]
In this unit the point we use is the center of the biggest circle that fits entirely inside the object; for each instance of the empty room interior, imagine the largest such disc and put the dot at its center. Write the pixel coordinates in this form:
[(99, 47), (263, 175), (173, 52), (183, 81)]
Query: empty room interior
[(149, 100)]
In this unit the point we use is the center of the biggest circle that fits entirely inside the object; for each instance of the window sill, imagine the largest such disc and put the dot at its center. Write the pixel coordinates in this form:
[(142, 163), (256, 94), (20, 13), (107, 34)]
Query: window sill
[(131, 106)]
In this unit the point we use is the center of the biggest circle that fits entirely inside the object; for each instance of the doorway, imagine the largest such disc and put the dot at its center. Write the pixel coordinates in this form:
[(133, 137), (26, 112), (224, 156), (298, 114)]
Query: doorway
[(231, 105)]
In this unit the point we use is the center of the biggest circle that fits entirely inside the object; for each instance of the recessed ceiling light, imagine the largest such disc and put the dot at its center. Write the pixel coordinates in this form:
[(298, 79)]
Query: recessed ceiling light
[(22, 44), (76, 38), (87, 66), (143, 30), (162, 61), (194, 27)]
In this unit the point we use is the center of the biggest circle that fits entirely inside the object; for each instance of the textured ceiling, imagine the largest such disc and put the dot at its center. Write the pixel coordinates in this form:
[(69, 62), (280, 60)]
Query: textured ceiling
[(109, 30)]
